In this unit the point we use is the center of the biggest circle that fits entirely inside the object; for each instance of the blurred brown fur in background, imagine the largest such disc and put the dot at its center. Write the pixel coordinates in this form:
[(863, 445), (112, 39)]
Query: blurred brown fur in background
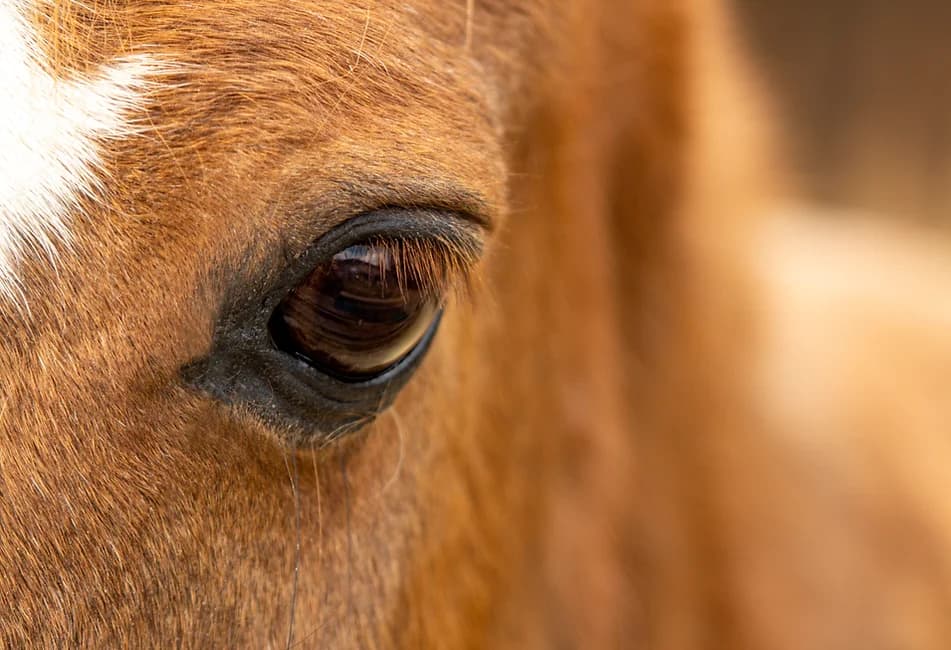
[(823, 490), (863, 90)]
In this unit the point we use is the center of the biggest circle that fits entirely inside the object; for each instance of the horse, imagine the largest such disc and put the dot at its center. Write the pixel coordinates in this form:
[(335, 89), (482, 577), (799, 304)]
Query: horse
[(444, 325)]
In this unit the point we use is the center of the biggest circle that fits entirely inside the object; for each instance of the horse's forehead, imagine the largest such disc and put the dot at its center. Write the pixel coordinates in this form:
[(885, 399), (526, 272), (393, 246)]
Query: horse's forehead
[(50, 130), (84, 80)]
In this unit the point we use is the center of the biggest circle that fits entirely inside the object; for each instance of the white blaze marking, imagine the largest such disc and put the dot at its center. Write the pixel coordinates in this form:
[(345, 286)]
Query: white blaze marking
[(49, 131)]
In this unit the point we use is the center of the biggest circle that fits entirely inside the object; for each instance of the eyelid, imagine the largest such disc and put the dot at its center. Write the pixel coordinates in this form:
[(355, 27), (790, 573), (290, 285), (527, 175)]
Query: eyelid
[(372, 193)]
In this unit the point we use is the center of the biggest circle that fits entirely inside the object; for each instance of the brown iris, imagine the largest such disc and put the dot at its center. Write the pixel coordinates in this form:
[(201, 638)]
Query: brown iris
[(356, 315)]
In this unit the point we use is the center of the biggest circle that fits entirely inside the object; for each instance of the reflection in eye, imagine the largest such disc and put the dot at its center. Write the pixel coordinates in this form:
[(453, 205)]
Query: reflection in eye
[(357, 314)]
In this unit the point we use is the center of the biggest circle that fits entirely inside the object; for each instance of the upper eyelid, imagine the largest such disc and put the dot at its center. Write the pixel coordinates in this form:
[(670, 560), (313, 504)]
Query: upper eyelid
[(369, 193)]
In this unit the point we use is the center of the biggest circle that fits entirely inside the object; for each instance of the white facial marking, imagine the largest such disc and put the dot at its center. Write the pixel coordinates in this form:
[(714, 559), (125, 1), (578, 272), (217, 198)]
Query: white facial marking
[(49, 132)]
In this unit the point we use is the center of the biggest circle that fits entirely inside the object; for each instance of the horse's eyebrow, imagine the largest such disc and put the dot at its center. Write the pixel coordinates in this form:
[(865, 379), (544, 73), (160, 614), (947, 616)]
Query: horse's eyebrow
[(376, 192)]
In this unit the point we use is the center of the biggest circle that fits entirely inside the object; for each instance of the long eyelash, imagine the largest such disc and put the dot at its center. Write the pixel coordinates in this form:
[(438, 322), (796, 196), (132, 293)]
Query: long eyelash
[(437, 266)]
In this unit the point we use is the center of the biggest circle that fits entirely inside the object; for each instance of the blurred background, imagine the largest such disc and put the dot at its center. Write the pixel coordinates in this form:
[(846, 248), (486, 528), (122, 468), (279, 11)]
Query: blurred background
[(863, 89)]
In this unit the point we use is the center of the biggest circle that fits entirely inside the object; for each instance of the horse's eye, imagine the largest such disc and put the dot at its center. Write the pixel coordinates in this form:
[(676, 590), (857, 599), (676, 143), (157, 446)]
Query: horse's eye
[(356, 315), (322, 342)]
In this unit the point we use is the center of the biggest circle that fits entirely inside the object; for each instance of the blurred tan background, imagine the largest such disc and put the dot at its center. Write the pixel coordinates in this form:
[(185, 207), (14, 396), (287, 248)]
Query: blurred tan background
[(864, 93)]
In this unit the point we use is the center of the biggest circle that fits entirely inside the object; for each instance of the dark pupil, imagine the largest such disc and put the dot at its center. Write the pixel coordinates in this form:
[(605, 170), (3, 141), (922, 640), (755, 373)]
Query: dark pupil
[(353, 317)]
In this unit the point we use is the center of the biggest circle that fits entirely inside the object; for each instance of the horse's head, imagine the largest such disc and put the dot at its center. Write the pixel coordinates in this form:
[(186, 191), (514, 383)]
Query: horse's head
[(372, 325), (291, 324)]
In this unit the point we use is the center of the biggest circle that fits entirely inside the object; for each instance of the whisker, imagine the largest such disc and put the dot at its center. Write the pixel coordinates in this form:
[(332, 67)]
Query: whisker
[(398, 424), (294, 476), (302, 641), (320, 529), (351, 610)]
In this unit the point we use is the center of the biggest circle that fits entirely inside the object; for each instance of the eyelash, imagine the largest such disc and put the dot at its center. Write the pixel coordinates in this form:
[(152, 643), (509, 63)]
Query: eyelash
[(439, 266)]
